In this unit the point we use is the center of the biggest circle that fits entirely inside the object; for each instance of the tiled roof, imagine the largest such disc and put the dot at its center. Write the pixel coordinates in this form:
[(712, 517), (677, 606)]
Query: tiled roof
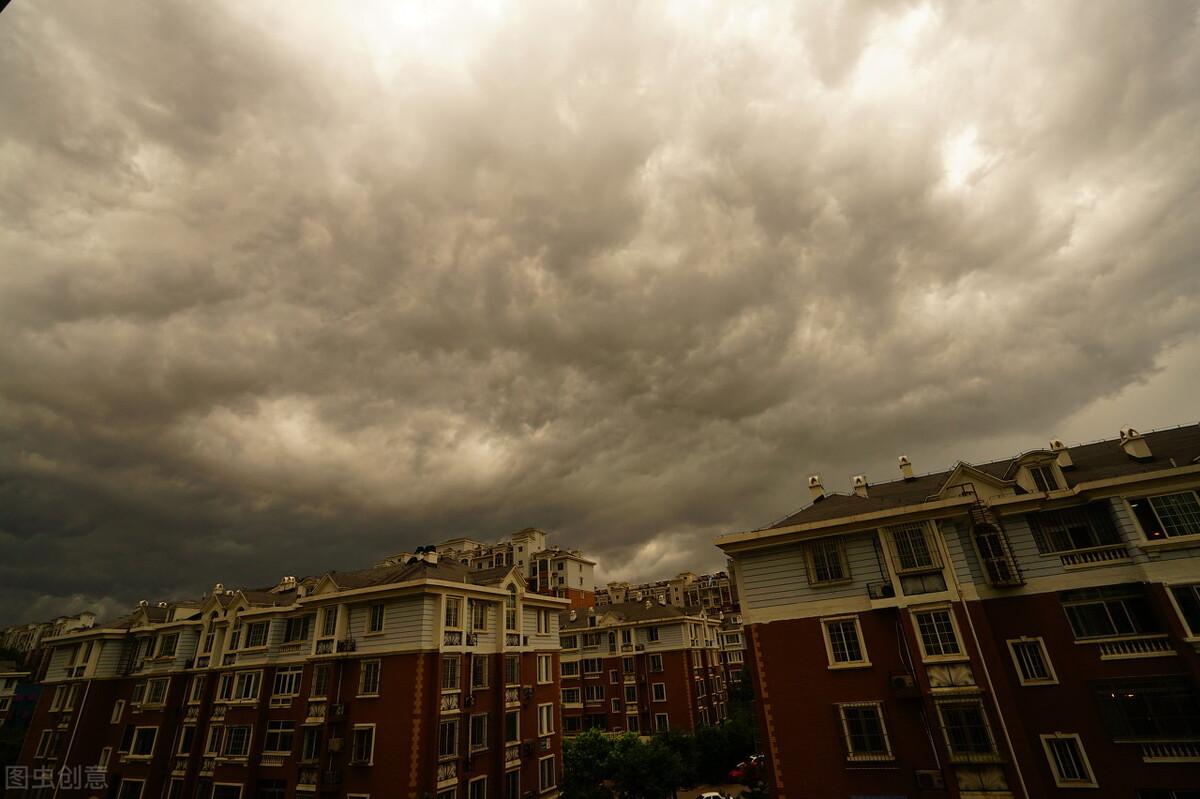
[(445, 569), (624, 611), (1178, 446)]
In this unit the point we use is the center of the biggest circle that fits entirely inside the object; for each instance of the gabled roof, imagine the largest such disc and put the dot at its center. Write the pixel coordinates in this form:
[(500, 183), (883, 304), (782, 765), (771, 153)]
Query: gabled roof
[(446, 570), (1175, 446)]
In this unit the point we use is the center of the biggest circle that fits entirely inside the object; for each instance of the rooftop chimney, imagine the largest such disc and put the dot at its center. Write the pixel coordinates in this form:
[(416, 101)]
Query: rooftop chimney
[(1064, 454), (572, 615), (431, 557), (815, 489), (1135, 445), (649, 604), (859, 482), (906, 468), (219, 588)]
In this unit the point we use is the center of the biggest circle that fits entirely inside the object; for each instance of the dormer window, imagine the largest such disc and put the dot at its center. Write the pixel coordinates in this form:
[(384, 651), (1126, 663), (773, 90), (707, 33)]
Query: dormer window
[(1044, 478)]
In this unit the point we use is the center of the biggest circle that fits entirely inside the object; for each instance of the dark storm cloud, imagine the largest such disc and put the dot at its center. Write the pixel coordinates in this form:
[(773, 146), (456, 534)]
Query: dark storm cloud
[(282, 292)]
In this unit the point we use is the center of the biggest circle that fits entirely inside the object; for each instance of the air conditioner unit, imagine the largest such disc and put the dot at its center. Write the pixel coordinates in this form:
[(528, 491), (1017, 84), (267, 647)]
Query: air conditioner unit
[(528, 692), (902, 681), (881, 590), (336, 744), (347, 645), (472, 639), (469, 700), (930, 780), (337, 710)]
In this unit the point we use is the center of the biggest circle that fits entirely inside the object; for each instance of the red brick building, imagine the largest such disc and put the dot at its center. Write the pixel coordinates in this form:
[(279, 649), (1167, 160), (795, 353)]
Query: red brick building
[(1027, 628), (418, 679), (641, 667)]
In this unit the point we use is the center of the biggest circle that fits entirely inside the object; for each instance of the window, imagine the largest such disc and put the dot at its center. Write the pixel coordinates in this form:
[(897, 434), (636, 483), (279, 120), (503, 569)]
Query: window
[(1074, 528), (966, 729), (937, 634), (479, 671), (225, 687), (614, 676), (167, 645), (512, 726), (130, 789), (156, 691), (187, 734), (117, 711), (863, 731), (570, 642), (448, 738), (310, 744), (270, 789), (143, 741), (279, 736), (210, 638), (631, 723), (450, 672), (1157, 708), (237, 740), (627, 665), (631, 694), (512, 669), (659, 692), (651, 634), (545, 669), (1031, 661), (477, 788), (656, 663), (569, 668), (826, 562), (246, 685), (46, 743), (320, 681), (1168, 516), (479, 615), (1187, 599), (1044, 477), (479, 737), (196, 691), (912, 548), (545, 719), (543, 622), (1068, 762), (226, 791), (453, 618), (511, 618), (512, 784), (105, 756), (329, 622), (843, 642), (296, 629), (661, 724), (368, 678), (362, 744), (546, 775), (1108, 611), (614, 704), (594, 665), (256, 634), (212, 744), (287, 680), (593, 693), (626, 636), (375, 620), (570, 696)]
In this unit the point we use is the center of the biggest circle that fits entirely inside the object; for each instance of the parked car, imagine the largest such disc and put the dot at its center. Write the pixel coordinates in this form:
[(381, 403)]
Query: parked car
[(749, 769)]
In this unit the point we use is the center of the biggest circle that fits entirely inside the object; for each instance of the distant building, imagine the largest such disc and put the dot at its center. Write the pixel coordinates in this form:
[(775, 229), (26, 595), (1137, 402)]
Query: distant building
[(25, 640), (422, 678), (552, 571), (733, 647), (642, 667), (10, 677), (1027, 628), (714, 593)]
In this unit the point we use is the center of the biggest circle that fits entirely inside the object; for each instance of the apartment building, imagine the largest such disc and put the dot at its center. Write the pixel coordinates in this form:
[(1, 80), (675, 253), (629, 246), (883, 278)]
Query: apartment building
[(26, 639), (713, 593), (1027, 627), (11, 676), (553, 571), (642, 667), (424, 678), (733, 647)]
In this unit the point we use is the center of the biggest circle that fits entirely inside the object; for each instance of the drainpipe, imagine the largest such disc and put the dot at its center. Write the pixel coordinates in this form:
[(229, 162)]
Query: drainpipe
[(74, 730)]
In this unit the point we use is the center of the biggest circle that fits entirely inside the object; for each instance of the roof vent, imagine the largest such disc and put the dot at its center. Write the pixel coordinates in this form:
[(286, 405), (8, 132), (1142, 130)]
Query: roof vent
[(229, 592), (162, 604), (143, 603), (859, 483), (906, 470), (1064, 454), (815, 489), (219, 588), (1135, 445)]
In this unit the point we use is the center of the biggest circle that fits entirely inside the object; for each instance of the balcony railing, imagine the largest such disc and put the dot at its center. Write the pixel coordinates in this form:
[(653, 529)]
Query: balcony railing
[(207, 765), (512, 696), (324, 647), (218, 713), (272, 760), (309, 776), (316, 711), (1171, 752), (512, 639), (291, 648), (1094, 556), (447, 772), (1147, 646), (449, 703), (512, 753), (179, 766), (452, 638)]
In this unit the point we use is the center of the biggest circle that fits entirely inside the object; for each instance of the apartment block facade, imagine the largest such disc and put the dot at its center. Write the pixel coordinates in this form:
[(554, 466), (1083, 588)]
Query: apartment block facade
[(11, 676), (640, 667), (26, 640), (712, 593), (1027, 627), (424, 678)]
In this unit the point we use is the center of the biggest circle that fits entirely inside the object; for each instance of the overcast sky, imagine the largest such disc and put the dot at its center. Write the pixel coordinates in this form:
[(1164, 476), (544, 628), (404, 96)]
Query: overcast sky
[(287, 287)]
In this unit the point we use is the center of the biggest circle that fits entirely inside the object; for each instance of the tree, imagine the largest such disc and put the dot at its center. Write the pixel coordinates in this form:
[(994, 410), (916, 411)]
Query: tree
[(642, 770), (585, 765)]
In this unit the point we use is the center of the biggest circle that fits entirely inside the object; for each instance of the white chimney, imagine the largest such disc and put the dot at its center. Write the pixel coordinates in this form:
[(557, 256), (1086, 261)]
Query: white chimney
[(649, 604), (572, 615), (143, 603), (906, 470), (1134, 444), (815, 489), (219, 588), (860, 484), (1064, 454), (431, 557)]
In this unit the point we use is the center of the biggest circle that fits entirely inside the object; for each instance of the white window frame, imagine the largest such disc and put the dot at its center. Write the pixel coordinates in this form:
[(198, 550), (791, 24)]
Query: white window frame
[(279, 731), (1059, 780), (117, 712), (455, 601), (141, 784), (362, 675), (549, 730), (370, 761), (958, 656), (863, 662), (976, 757), (543, 788), (853, 756), (664, 725), (1051, 677), (133, 743), (249, 740), (658, 692), (241, 678), (472, 745), (1182, 537), (839, 551), (545, 675), (471, 783), (371, 609), (1189, 634), (105, 757)]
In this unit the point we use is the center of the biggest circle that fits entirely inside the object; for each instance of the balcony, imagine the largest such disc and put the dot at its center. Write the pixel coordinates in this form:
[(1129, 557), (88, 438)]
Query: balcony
[(179, 766), (1171, 752), (192, 713), (512, 754), (324, 647), (291, 648), (452, 638), (1094, 556), (316, 712), (447, 773), (207, 765), (449, 703), (1142, 646), (512, 696), (274, 761)]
